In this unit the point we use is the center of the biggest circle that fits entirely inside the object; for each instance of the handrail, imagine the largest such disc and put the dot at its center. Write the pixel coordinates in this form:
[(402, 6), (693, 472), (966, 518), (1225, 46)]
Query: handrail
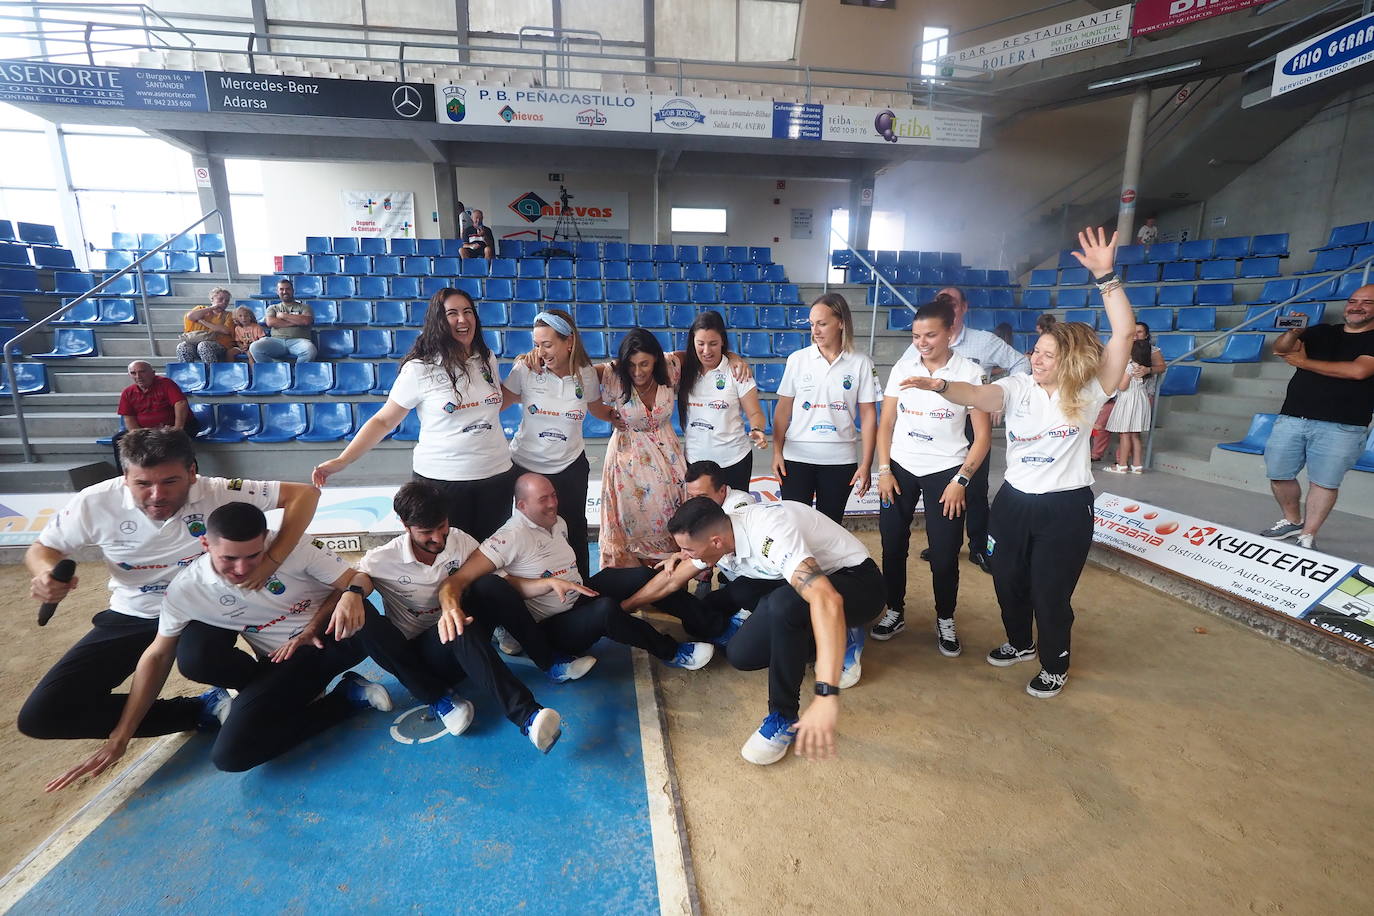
[(135, 267), (877, 278), (1232, 331)]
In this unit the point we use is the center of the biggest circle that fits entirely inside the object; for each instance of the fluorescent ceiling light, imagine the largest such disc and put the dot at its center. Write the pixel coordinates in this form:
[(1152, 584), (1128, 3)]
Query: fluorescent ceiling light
[(1146, 74)]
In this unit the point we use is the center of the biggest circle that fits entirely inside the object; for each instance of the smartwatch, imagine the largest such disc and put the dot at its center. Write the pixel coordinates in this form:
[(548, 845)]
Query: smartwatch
[(961, 480), (826, 690), (355, 589)]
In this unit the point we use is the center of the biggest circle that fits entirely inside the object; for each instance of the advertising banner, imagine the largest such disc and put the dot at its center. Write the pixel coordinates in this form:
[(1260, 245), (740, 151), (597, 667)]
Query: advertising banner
[(1336, 51), (390, 214), (1047, 41), (563, 109), (1157, 15), (1272, 574), (797, 121), (711, 117), (263, 93), (600, 215), (105, 87), (1347, 611), (908, 126)]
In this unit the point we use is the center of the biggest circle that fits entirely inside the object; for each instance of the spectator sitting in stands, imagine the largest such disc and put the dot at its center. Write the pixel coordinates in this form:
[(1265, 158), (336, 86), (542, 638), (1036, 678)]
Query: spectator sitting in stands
[(152, 401), (1004, 331), (207, 332), (247, 331), (1149, 233), (289, 322), (478, 242)]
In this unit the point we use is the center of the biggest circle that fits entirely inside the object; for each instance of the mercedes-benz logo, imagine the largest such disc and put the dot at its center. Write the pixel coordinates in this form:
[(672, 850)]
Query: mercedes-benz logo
[(406, 101), (226, 600), (128, 527)]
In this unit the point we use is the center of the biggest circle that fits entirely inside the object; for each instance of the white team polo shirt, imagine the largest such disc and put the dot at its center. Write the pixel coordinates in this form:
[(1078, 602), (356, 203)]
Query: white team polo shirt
[(1045, 452), (143, 555), (409, 588), (528, 551), (737, 499), (460, 428), (715, 429), (929, 433), (267, 618), (772, 539), (826, 398), (551, 413)]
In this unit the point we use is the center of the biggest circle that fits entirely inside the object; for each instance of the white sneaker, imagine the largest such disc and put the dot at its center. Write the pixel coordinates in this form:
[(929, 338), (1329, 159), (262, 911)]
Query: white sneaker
[(506, 642), (691, 656), (853, 668), (455, 712), (1308, 541), (363, 692), (770, 742), (544, 728)]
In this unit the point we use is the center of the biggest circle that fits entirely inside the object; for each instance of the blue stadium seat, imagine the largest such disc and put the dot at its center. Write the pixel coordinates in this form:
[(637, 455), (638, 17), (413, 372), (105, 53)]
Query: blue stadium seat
[(588, 251), (1276, 291), (1197, 318), (124, 241), (754, 344), (386, 377), (157, 285), (1270, 246), (614, 251), (388, 313), (664, 253), (505, 248), (1180, 380), (773, 317), (1259, 267), (668, 270), (619, 291), (1158, 320), (1074, 276), (1179, 270), (415, 313), (354, 264), (387, 265), (314, 244), (785, 343), (401, 342), (787, 294), (731, 292), (1313, 289), (452, 267), (404, 287), (366, 245), (1313, 310), (1185, 294), (704, 294), (268, 378), (1071, 298), (558, 290), (329, 422), (409, 428), (1217, 270), (1240, 348), (676, 292), (587, 270), (32, 378), (799, 316), (500, 288), (1025, 322), (653, 316), (589, 315), (1066, 259), (353, 378), (774, 273), (188, 376), (430, 286), (616, 270), (713, 254), (1043, 278), (493, 340), (648, 291), (528, 289), (758, 294), (281, 422), (737, 254), (620, 315), (1086, 316), (1197, 249), (1215, 294), (311, 379), (681, 316), (472, 267), (343, 245), (340, 287), (1253, 312), (59, 258), (499, 267), (1141, 273), (998, 298), (592, 428), (1256, 437), (1161, 252), (594, 342), (1352, 234), (334, 343), (1329, 260), (233, 423), (1232, 248), (1130, 254), (1141, 295), (768, 376), (1173, 346), (723, 273), (85, 312), (742, 317), (531, 268), (69, 343), (324, 312), (12, 309), (372, 343), (73, 283), (37, 233), (643, 270), (666, 341), (492, 314), (1366, 460), (688, 254), (225, 378), (558, 268), (517, 343), (749, 273), (323, 264)]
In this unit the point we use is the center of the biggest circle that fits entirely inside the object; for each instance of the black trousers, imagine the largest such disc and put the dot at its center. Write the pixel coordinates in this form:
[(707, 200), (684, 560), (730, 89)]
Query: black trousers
[(738, 474), (276, 707), (944, 535), (976, 501), (1039, 545), (827, 483), (779, 636), (738, 594), (571, 486), (428, 667), (494, 602), (74, 699), (478, 507)]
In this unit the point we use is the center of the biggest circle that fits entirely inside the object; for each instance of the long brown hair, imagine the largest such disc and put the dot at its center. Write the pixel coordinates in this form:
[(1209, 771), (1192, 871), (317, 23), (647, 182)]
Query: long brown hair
[(1079, 353), (579, 359), (436, 344)]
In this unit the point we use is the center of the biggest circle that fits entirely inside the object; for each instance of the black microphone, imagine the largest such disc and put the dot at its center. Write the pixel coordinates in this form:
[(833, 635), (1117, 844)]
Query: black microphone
[(62, 572)]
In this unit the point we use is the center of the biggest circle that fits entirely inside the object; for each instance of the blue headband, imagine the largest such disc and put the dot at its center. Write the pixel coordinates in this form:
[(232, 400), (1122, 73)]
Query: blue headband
[(558, 323)]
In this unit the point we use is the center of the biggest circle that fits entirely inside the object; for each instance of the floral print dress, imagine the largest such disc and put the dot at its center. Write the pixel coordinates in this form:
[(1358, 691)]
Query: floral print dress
[(642, 480)]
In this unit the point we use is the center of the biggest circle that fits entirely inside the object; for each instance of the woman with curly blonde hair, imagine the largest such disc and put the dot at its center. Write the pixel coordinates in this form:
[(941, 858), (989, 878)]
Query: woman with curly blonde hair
[(1042, 519)]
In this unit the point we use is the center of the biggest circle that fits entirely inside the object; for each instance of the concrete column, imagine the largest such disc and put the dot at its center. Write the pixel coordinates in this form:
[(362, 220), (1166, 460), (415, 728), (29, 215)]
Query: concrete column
[(446, 199), (72, 230), (861, 208), (216, 196), (664, 164), (1130, 173)]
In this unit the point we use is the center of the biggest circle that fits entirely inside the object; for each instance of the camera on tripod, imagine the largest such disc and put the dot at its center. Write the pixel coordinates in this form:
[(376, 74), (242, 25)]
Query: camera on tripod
[(566, 227), (564, 196)]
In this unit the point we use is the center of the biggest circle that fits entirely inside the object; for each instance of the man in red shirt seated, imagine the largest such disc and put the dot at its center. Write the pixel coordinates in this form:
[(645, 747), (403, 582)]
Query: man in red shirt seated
[(152, 401)]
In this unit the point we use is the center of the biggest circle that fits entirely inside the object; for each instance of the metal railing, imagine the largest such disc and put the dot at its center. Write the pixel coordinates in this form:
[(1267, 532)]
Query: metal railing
[(1248, 323), (135, 268), (878, 282)]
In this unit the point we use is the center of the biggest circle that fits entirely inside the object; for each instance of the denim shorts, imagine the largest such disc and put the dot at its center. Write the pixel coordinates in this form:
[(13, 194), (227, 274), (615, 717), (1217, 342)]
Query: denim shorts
[(1328, 450)]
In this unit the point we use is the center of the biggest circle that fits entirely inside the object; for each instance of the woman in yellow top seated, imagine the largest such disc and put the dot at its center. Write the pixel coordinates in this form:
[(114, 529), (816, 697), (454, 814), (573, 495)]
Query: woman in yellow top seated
[(208, 331)]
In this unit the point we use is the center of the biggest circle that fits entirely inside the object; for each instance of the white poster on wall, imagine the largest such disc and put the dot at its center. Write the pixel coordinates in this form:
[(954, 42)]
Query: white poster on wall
[(390, 214), (711, 117), (1078, 34), (562, 109), (903, 126), (527, 212)]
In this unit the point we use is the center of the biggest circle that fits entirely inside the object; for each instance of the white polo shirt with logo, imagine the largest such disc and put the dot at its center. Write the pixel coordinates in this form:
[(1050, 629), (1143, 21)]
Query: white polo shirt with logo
[(460, 426), (772, 539), (826, 398), (715, 429), (929, 433), (528, 551), (552, 409), (142, 555), (1045, 452), (409, 588), (267, 618)]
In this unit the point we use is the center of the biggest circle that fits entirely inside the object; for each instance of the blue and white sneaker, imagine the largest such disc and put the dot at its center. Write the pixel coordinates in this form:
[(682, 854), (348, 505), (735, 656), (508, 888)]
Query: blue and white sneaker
[(507, 643), (1282, 530), (691, 655), (770, 743), (214, 708), (731, 628), (543, 728), (566, 668), (853, 650), (363, 693), (455, 712)]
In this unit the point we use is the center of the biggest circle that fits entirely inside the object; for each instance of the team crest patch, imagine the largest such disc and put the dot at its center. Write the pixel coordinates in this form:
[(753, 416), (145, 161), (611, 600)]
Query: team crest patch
[(546, 574), (720, 383), (767, 546), (486, 375), (195, 524), (275, 586), (318, 543), (848, 382), (578, 391), (235, 484)]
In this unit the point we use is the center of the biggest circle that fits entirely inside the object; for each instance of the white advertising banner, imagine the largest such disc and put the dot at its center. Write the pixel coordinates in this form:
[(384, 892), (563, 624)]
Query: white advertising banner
[(390, 214), (1272, 574), (562, 109), (1326, 55), (515, 212), (1044, 42), (711, 117), (907, 126)]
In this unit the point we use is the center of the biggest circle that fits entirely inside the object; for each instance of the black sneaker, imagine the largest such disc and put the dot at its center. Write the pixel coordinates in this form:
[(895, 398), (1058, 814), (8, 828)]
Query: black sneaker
[(1006, 655), (1045, 685), (892, 623), (981, 561), (925, 554), (946, 638)]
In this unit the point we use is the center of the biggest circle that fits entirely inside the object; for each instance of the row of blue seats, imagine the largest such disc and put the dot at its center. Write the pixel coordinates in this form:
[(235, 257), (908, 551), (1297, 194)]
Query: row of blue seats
[(1349, 235), (916, 295), (1306, 289), (943, 276), (1262, 426), (526, 248), (395, 313), (26, 280), (143, 242), (1233, 248), (1174, 271), (31, 233), (1338, 259), (176, 262), (1187, 294), (529, 290), (21, 254), (362, 265), (946, 260), (91, 311)]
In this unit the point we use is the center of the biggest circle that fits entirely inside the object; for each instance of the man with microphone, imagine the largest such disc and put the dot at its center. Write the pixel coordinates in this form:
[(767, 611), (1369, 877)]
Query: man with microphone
[(147, 525)]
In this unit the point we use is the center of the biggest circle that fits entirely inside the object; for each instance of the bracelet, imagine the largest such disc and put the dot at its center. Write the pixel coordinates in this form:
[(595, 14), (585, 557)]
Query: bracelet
[(1110, 286), (1108, 277), (944, 384)]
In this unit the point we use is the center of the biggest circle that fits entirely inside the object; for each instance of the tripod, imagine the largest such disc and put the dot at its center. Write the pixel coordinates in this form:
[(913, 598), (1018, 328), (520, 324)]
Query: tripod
[(567, 225)]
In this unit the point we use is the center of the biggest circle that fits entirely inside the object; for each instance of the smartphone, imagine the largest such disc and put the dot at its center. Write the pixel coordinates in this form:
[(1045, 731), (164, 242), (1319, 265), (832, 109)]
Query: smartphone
[(1291, 322)]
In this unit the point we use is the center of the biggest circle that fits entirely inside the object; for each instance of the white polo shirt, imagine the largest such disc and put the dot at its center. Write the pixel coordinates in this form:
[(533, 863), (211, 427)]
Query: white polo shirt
[(715, 428), (143, 555), (772, 539), (409, 588), (552, 409), (460, 428), (929, 433), (526, 550), (826, 398), (1045, 452), (267, 618), (989, 351), (737, 499)]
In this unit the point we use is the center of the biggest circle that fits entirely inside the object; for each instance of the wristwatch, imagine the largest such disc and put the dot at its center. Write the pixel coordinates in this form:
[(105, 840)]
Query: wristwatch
[(961, 480), (355, 589), (944, 383), (826, 690)]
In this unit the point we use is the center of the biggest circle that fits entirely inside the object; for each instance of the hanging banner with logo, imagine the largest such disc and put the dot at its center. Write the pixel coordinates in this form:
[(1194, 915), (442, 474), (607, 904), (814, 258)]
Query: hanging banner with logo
[(563, 109), (1272, 574), (797, 121), (600, 215), (905, 126), (265, 93), (389, 214), (1332, 52), (711, 117), (103, 87), (1157, 15), (1045, 42)]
